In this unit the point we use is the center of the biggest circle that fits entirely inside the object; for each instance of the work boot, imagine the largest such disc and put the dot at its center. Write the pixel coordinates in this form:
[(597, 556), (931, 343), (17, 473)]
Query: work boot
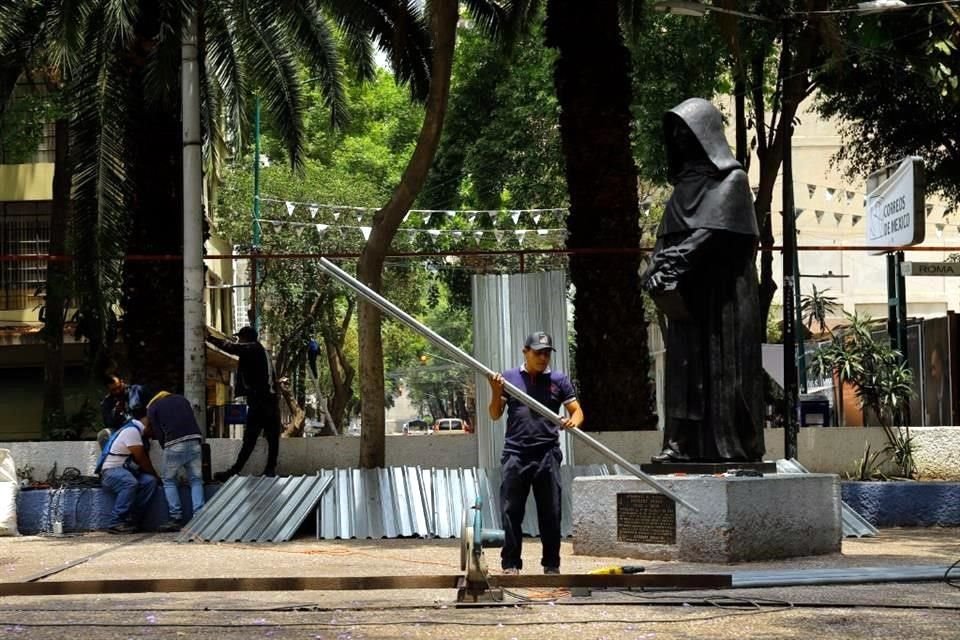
[(551, 571), (223, 476), (122, 528), (171, 526), (511, 571), (269, 473)]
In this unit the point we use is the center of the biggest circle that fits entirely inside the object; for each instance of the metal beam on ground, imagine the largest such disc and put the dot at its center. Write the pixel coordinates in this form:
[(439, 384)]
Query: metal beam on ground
[(358, 583)]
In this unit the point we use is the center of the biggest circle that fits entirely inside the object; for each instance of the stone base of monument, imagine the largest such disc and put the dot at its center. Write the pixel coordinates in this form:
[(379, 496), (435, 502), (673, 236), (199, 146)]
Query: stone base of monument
[(741, 519)]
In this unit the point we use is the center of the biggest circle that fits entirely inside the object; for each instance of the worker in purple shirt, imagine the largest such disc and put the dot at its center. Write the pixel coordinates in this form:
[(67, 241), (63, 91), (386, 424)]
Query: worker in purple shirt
[(531, 451)]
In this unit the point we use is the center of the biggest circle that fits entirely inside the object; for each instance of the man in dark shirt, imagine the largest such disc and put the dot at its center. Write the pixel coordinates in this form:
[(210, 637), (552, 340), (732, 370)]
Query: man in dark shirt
[(121, 402), (173, 424), (255, 381), (531, 451)]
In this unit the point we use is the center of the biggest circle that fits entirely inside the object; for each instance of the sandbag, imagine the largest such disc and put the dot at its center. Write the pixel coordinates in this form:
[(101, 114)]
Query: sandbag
[(9, 486)]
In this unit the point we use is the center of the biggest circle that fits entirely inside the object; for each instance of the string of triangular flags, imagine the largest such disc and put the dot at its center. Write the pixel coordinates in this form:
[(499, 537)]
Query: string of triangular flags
[(838, 217), (322, 229), (853, 198), (336, 211)]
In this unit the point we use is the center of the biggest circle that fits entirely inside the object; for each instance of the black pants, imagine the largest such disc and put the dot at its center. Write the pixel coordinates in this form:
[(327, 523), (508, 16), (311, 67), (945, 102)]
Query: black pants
[(262, 417), (520, 473)]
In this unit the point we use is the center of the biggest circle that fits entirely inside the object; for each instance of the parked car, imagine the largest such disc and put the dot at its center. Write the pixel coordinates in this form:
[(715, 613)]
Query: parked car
[(452, 425), (416, 427)]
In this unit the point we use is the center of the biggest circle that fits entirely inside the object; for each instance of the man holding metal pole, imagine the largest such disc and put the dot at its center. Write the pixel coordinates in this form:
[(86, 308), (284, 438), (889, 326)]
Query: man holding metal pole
[(531, 452)]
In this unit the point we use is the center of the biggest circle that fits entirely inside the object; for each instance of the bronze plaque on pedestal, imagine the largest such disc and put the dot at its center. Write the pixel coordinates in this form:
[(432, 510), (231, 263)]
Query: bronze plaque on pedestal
[(647, 518)]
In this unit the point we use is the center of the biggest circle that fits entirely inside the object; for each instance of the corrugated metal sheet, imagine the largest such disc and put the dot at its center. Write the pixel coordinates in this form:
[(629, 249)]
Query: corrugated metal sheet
[(429, 503), (506, 309), (854, 525), (257, 509)]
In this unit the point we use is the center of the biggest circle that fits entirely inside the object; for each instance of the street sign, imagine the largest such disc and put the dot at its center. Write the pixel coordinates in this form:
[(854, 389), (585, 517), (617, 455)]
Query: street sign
[(930, 268), (895, 204)]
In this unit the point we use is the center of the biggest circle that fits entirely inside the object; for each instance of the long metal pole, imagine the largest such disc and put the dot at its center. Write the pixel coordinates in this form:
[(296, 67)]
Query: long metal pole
[(790, 399), (388, 307)]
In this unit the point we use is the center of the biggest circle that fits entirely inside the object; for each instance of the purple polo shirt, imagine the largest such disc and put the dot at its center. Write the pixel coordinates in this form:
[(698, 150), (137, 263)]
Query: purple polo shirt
[(529, 433)]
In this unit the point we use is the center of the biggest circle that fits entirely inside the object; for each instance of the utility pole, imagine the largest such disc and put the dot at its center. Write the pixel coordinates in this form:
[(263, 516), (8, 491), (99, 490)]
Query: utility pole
[(255, 266), (790, 394), (194, 318)]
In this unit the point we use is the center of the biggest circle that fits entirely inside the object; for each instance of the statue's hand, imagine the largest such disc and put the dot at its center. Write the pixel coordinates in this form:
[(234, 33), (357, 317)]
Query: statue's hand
[(654, 282)]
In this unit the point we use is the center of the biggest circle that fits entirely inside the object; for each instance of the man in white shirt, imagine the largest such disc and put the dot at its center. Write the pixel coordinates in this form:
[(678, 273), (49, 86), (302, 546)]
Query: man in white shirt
[(126, 471)]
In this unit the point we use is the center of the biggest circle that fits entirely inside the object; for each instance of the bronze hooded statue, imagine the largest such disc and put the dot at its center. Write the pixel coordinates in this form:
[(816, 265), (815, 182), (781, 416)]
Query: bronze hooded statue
[(703, 276)]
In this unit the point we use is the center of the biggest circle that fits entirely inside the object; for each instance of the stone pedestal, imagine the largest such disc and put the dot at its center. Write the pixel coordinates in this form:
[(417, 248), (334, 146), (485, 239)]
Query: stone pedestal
[(740, 519)]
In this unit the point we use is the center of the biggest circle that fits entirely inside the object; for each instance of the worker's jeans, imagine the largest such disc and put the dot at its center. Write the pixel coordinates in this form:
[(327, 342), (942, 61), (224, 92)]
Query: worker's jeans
[(519, 474), (184, 455), (133, 494)]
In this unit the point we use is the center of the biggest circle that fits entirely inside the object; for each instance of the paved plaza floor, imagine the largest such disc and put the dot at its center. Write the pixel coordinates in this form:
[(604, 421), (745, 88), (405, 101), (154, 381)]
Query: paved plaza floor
[(922, 610)]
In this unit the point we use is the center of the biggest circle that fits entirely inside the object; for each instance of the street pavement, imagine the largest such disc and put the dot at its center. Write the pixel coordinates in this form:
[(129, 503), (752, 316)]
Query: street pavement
[(921, 610)]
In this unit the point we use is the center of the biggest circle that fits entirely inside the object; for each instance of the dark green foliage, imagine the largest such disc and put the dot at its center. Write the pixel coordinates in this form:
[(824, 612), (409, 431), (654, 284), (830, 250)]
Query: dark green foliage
[(121, 60), (895, 93)]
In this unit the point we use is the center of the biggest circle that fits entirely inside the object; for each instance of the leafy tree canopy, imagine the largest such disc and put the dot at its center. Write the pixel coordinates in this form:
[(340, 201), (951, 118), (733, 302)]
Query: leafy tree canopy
[(895, 93)]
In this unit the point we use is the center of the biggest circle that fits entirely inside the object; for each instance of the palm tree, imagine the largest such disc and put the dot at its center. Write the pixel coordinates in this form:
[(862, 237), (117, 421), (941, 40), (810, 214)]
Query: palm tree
[(592, 81), (122, 58)]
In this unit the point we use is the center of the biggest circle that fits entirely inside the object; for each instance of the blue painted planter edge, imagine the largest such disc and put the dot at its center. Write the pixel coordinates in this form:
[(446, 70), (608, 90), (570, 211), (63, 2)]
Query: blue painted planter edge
[(905, 504)]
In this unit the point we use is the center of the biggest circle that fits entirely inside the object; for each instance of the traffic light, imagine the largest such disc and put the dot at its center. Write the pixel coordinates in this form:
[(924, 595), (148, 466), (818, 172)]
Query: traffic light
[(424, 358)]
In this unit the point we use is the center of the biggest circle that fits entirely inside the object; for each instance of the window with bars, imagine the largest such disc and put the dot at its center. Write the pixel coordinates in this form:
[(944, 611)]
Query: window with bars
[(24, 232)]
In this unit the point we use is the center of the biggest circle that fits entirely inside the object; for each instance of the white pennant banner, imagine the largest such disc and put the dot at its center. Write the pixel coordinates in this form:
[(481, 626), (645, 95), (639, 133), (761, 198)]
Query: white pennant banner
[(365, 232), (516, 216), (313, 212), (321, 228), (290, 208)]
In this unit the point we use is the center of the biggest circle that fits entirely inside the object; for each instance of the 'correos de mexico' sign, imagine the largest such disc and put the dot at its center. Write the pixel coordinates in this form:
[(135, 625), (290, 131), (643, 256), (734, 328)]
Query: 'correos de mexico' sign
[(895, 199)]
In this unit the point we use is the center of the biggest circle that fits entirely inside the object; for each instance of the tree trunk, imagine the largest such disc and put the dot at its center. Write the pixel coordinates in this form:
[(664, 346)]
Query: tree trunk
[(341, 371), (153, 289), (293, 429), (592, 79), (58, 285), (443, 23), (792, 92)]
